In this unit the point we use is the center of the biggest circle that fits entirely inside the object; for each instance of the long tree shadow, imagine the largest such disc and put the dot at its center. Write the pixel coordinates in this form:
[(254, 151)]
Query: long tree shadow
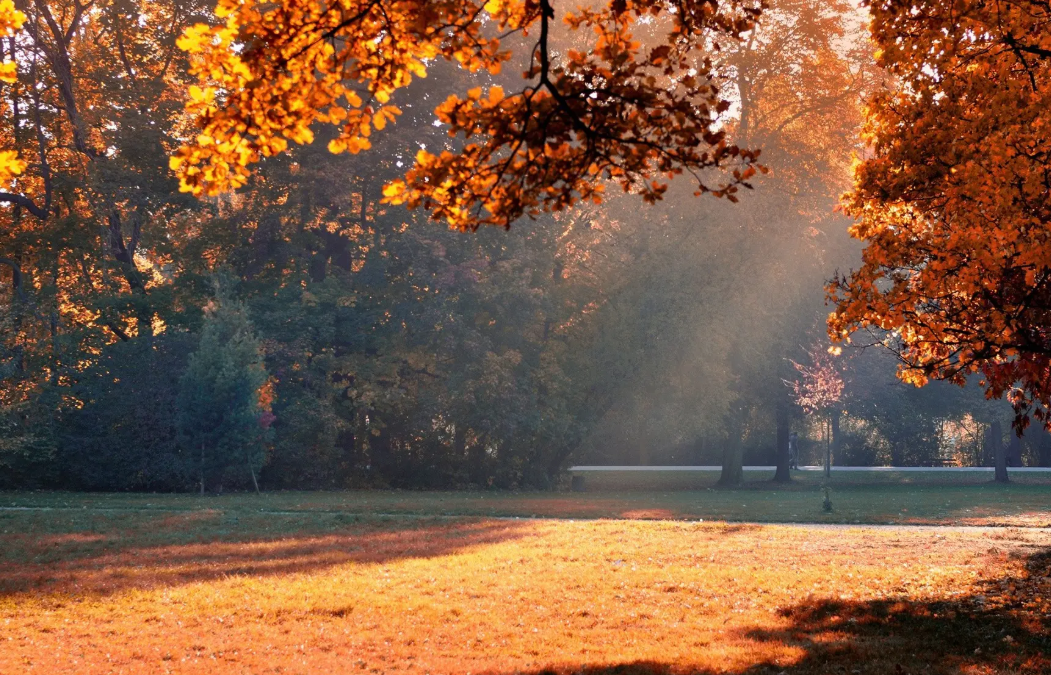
[(134, 551), (1003, 628)]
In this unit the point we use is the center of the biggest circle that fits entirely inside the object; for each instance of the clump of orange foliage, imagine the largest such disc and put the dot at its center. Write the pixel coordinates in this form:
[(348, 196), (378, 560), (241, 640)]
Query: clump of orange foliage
[(954, 199), (11, 20), (619, 111)]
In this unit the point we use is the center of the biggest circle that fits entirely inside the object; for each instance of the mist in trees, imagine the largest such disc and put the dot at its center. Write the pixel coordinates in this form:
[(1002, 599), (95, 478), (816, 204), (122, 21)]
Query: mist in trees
[(354, 343)]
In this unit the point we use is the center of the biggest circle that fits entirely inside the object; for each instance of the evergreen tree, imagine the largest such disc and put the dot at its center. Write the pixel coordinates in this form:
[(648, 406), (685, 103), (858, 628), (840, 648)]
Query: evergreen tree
[(221, 417)]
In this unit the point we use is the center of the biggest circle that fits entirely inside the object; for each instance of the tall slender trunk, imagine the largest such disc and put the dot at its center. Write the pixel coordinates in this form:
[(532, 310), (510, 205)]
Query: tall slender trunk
[(18, 302), (459, 441), (995, 438), (828, 448), (1043, 447), (202, 468), (783, 474), (836, 436), (255, 483)]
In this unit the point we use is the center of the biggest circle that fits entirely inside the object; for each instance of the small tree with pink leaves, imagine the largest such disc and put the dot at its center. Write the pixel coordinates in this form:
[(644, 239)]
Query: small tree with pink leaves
[(818, 390)]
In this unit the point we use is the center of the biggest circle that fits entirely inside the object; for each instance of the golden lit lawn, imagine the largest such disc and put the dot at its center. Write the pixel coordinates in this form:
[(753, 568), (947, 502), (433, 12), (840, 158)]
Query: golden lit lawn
[(220, 591)]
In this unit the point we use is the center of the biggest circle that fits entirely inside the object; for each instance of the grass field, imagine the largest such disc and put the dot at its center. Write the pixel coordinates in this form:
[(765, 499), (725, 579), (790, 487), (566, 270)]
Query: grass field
[(882, 498), (215, 591), (311, 583)]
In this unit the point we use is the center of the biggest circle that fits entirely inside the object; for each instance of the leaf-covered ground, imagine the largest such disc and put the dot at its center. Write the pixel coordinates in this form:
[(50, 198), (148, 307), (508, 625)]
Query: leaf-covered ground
[(231, 591)]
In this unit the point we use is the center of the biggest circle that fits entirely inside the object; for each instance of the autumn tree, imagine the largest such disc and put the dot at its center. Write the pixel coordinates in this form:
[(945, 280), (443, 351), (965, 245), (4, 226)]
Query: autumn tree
[(818, 390), (403, 354), (619, 111), (96, 96), (953, 201), (800, 97), (799, 77)]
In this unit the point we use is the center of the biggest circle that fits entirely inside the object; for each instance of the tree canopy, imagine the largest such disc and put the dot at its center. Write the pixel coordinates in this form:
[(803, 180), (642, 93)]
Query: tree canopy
[(615, 110), (954, 201), (385, 350)]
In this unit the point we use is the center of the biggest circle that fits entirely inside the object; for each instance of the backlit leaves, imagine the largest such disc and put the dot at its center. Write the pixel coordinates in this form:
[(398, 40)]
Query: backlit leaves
[(954, 203), (624, 113), (819, 386), (11, 21)]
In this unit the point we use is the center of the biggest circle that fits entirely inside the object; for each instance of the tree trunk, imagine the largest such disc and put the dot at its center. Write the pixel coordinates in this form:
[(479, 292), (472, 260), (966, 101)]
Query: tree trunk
[(897, 455), (202, 469), (828, 449), (836, 436), (641, 439), (1043, 445), (995, 439), (1014, 449), (733, 456), (18, 302), (554, 466), (473, 456), (255, 483), (459, 442), (783, 474)]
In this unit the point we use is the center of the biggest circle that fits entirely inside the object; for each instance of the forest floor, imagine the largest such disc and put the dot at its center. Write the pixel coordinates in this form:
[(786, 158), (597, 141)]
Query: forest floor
[(299, 584)]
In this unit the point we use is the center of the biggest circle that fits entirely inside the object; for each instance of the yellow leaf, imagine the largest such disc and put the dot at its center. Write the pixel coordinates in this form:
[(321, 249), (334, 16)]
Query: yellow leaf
[(8, 72), (224, 9), (10, 166)]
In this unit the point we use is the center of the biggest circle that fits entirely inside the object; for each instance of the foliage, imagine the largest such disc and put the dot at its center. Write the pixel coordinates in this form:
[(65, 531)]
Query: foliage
[(952, 201), (11, 20), (27, 445), (402, 354), (820, 384), (223, 399), (615, 110), (122, 433)]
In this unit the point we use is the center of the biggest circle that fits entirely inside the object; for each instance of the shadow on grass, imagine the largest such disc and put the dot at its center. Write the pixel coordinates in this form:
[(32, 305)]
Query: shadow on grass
[(1004, 628), (147, 551)]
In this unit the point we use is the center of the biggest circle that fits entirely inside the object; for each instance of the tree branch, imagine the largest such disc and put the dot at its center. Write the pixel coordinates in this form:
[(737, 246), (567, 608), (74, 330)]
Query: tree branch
[(24, 202)]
